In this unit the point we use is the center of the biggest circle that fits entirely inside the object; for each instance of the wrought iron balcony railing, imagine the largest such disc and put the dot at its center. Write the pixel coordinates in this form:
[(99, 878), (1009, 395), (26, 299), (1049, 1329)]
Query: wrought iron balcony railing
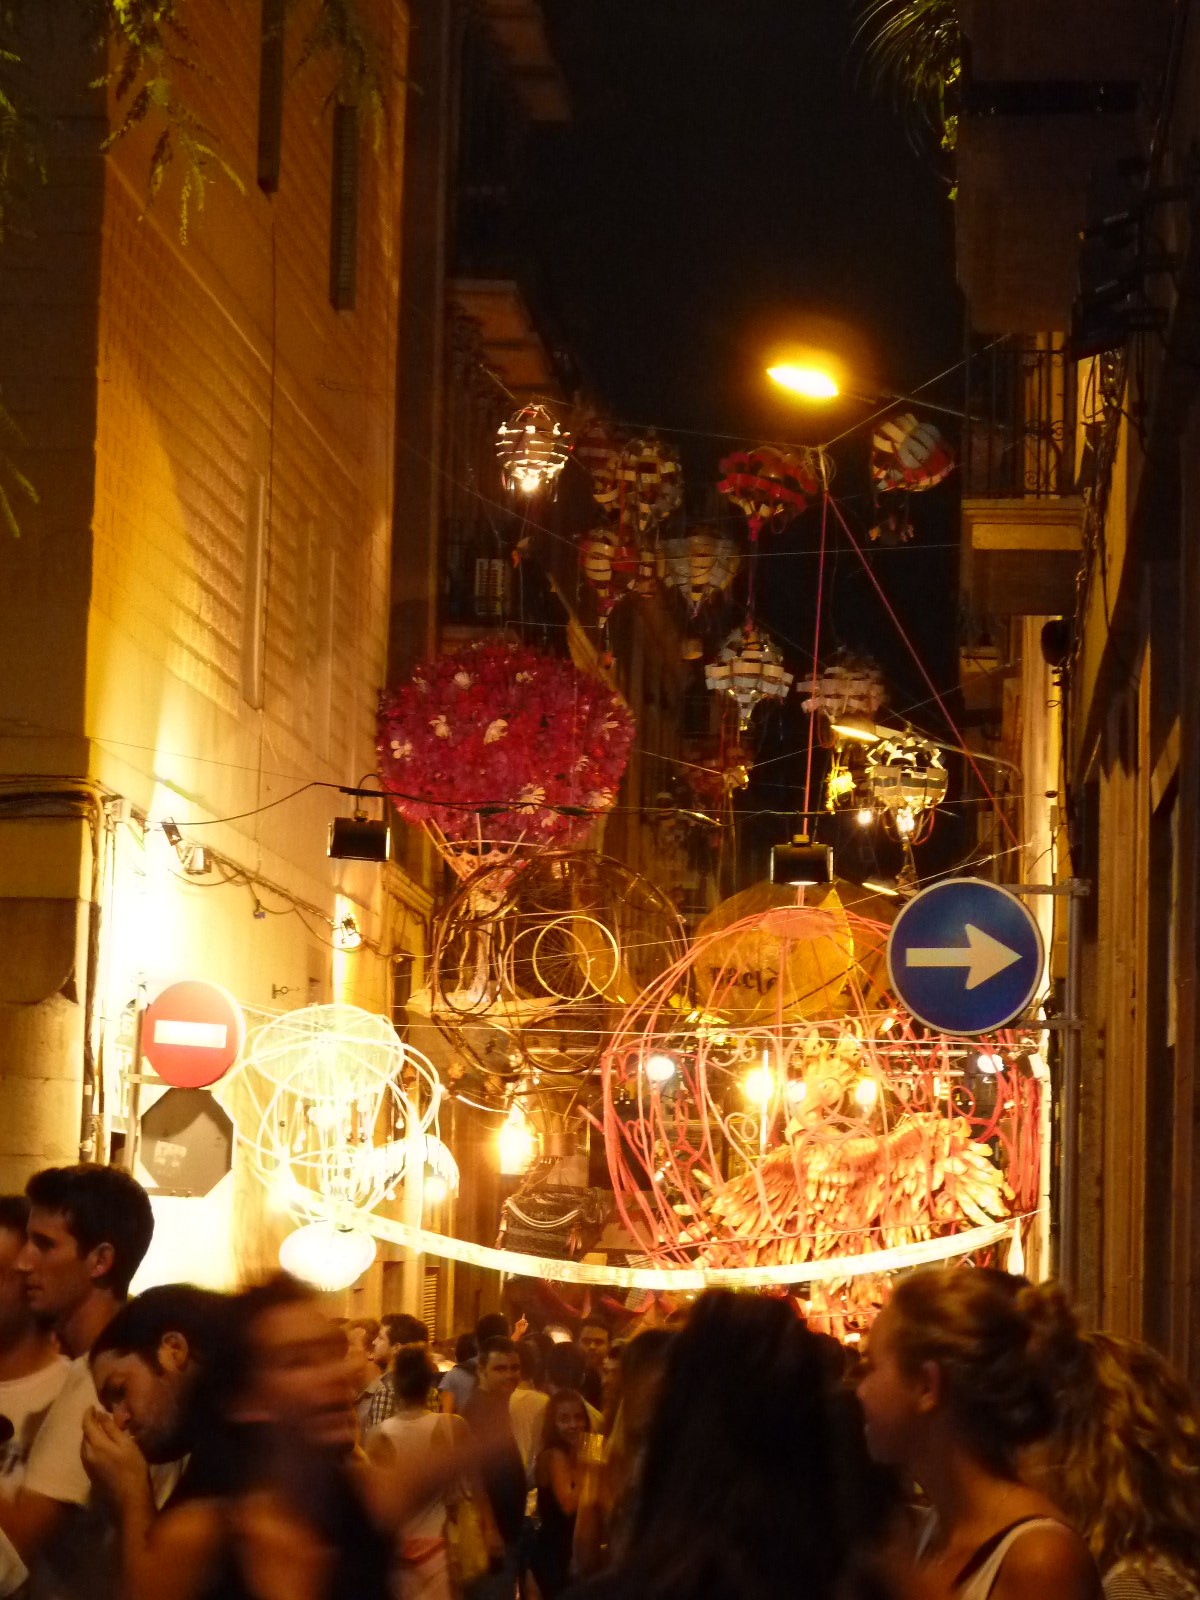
[(1019, 436)]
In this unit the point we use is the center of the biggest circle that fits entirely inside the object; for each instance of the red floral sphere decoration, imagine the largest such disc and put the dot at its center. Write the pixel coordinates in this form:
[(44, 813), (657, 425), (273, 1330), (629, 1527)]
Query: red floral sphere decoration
[(501, 744)]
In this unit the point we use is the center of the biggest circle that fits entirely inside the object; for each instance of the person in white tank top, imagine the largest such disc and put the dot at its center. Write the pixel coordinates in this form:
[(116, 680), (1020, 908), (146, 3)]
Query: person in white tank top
[(959, 1375), (407, 1439)]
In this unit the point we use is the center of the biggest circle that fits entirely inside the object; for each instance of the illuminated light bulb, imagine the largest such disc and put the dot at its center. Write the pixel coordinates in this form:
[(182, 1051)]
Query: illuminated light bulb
[(797, 1090), (989, 1065), (866, 1093), (939, 1088), (517, 1142), (888, 1023), (906, 823), (326, 1256), (436, 1189), (759, 1086), (864, 816), (660, 1068), (810, 383)]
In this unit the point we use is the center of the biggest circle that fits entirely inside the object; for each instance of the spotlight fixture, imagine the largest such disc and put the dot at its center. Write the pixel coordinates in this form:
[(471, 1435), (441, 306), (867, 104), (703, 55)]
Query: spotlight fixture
[(359, 838), (197, 861), (171, 830), (347, 935), (801, 864)]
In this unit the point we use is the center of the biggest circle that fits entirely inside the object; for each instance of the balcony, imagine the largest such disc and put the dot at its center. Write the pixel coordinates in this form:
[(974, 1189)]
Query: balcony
[(1022, 518)]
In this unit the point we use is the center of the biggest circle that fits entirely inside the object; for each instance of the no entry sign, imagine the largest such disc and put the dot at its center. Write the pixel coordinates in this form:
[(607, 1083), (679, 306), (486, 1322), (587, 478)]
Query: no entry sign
[(192, 1033)]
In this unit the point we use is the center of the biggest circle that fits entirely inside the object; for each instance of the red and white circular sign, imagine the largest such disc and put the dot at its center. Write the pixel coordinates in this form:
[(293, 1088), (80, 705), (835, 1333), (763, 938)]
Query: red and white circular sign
[(192, 1034)]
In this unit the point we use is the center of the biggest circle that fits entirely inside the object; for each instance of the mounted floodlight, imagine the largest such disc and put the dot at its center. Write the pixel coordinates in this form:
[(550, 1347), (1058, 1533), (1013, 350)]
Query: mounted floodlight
[(359, 838), (801, 864)]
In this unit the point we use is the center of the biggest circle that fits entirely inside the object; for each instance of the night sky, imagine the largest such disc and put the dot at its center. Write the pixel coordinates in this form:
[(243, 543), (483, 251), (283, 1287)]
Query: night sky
[(728, 178)]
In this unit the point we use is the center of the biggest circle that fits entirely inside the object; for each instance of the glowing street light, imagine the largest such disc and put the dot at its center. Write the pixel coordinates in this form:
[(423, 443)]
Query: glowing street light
[(808, 382)]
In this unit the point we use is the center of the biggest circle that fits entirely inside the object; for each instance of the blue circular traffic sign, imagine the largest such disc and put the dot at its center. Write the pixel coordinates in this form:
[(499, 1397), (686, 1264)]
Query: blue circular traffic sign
[(965, 956)]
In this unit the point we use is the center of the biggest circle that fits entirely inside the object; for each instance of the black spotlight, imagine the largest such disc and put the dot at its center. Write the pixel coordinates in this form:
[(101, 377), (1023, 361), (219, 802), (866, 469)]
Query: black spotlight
[(359, 838), (801, 864)]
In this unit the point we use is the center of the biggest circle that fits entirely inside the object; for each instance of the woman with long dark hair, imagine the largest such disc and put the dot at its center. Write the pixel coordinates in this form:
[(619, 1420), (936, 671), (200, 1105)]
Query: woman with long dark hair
[(558, 1477), (751, 1486)]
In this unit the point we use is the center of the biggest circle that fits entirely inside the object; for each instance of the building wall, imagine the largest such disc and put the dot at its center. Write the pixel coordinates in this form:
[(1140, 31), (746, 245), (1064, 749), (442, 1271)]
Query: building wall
[(196, 622)]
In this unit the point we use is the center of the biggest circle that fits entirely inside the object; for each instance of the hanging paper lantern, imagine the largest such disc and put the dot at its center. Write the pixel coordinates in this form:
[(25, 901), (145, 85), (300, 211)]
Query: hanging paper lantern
[(702, 564), (909, 454), (532, 449), (650, 483), (616, 568), (847, 688), (771, 485), (749, 669), (598, 449), (906, 779)]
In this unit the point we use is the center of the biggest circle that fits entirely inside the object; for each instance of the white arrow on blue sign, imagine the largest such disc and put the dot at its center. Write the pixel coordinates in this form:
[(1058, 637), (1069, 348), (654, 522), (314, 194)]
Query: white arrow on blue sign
[(965, 956)]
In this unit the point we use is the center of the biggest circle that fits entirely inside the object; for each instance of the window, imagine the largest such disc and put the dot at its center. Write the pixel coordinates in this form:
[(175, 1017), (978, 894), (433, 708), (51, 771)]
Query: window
[(270, 95), (343, 232)]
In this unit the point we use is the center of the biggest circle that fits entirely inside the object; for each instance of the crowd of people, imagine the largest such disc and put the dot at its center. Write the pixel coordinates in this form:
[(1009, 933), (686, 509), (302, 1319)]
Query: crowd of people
[(187, 1445)]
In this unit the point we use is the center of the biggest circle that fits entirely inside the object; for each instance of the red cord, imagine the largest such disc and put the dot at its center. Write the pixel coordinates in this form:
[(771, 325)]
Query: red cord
[(912, 650), (812, 721)]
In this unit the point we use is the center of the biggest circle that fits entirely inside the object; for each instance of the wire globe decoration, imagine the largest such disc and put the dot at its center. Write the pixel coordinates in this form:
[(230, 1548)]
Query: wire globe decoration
[(766, 1102), (329, 1103), (531, 971)]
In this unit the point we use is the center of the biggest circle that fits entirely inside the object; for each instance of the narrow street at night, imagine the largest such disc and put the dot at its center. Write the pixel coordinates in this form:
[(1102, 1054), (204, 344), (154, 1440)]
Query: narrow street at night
[(599, 800)]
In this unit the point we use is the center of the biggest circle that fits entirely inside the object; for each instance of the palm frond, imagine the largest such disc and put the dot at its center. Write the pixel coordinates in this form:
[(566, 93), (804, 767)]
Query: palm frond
[(911, 52)]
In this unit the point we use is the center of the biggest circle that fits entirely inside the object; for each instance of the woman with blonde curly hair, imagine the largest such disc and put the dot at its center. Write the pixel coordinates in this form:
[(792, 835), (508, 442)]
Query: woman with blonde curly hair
[(1123, 1462)]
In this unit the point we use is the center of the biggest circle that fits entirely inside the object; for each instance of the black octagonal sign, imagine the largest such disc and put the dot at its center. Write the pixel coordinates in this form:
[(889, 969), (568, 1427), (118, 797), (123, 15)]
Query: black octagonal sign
[(187, 1142)]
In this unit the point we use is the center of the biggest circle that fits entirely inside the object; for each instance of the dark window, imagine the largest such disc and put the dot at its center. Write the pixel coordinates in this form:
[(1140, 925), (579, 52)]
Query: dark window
[(270, 95), (343, 237)]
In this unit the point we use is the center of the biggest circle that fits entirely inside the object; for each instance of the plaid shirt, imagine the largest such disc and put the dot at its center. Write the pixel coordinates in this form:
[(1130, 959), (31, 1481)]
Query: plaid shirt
[(379, 1402)]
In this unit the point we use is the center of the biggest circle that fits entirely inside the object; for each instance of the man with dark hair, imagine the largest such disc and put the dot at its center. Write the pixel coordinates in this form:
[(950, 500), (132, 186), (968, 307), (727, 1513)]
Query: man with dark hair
[(457, 1384), (399, 1331), (502, 1474), (88, 1229), (361, 1334), (31, 1371), (148, 1365), (592, 1342)]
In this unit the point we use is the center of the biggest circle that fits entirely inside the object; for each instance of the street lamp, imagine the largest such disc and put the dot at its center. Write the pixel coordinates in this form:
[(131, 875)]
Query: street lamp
[(808, 382), (815, 383)]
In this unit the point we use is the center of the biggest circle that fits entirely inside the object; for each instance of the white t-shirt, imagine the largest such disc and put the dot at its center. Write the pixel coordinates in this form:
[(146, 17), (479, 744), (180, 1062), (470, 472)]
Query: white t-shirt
[(80, 1562), (24, 1403)]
